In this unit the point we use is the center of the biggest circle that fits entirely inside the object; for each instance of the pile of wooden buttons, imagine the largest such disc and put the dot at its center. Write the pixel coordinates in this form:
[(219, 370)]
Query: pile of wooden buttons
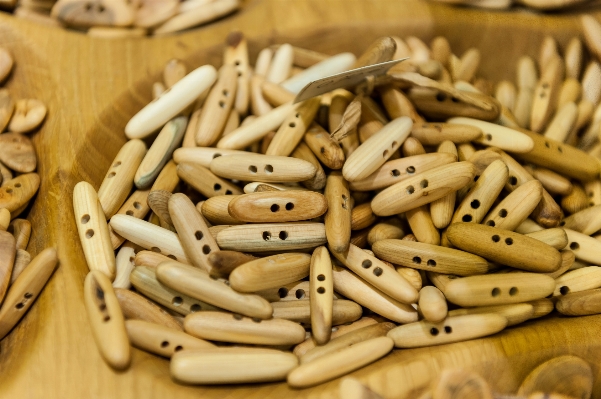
[(303, 241), (122, 18), (21, 278)]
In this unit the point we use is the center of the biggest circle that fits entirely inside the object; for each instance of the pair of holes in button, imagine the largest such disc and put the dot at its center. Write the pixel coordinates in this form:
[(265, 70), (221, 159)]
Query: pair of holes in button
[(275, 207), (253, 169), (366, 264), (217, 187), (417, 260), (513, 291), (165, 344), (26, 298), (267, 235), (434, 331), (508, 240)]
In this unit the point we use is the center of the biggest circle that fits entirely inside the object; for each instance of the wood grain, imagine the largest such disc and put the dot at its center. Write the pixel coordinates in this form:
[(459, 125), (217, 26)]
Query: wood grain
[(92, 88)]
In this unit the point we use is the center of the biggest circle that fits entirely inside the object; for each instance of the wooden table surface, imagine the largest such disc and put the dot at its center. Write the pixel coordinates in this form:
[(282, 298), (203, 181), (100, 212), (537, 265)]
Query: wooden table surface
[(93, 86)]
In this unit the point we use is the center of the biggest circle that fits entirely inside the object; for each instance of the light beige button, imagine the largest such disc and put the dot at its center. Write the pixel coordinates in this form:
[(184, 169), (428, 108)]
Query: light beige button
[(173, 101), (29, 114)]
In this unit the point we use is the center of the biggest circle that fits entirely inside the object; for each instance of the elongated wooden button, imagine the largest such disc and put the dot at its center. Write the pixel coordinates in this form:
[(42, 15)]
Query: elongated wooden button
[(272, 237), (135, 306), (547, 213), (587, 249), (482, 194), (514, 313), (161, 340), (516, 207), (227, 327), (151, 258), (169, 138), (215, 210), (245, 135), (217, 107), (17, 152), (201, 155), (353, 287), (338, 218), (197, 284), (192, 230), (339, 363), (298, 290), (224, 262), (561, 158), (423, 188), (16, 192), (557, 238), (204, 181), (137, 206), (498, 136), (259, 187), (145, 280), (173, 101), (378, 274), (93, 230), (326, 149), (322, 294), (552, 182), (236, 53), (545, 94), (432, 304), (343, 311), (585, 278), (498, 289), (267, 168), (22, 260), (430, 257), (281, 206), (580, 303), (119, 179), (124, 264), (26, 288), (587, 221), (375, 151), (270, 272), (21, 230), (7, 259), (293, 128), (346, 340), (505, 247), (401, 169), (149, 236), (231, 365), (452, 329), (452, 103), (436, 133), (106, 320)]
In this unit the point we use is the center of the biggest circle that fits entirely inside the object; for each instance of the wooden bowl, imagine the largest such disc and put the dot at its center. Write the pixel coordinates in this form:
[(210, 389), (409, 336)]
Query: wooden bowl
[(93, 86)]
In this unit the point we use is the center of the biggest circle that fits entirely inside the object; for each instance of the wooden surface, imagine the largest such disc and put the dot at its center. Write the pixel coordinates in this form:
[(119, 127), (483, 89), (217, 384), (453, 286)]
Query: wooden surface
[(93, 86)]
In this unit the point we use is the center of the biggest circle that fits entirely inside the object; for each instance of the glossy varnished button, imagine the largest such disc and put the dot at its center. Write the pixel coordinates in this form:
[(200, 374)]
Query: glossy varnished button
[(278, 206), (504, 246)]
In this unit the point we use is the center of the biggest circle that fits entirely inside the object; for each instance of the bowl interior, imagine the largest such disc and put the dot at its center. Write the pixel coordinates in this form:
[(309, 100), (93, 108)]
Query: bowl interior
[(94, 86)]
